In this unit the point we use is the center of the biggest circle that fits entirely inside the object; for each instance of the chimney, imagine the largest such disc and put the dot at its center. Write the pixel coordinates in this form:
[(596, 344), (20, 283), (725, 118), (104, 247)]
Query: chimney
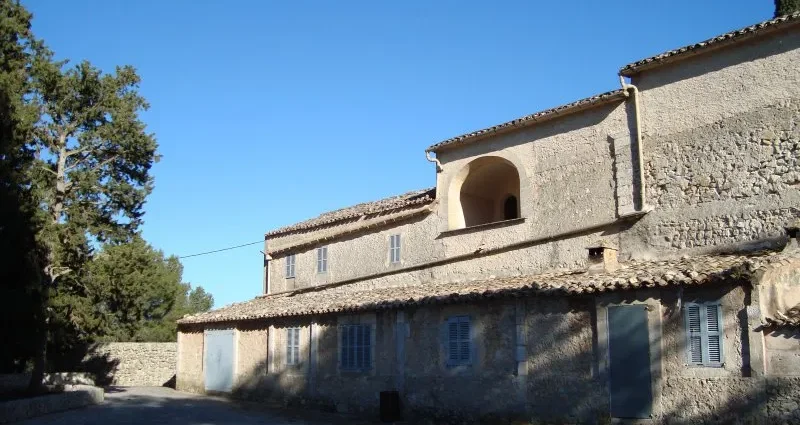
[(602, 258), (793, 232)]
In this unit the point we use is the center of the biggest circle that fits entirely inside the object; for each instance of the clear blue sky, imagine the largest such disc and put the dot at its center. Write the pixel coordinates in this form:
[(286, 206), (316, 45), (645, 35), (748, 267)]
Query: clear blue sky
[(269, 112)]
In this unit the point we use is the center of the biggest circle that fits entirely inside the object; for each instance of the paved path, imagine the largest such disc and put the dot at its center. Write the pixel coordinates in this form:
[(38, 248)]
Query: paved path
[(156, 405)]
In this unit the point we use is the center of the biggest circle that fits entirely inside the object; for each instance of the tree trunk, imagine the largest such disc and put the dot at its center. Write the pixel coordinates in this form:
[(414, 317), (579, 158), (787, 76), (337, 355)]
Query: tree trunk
[(51, 274), (36, 386)]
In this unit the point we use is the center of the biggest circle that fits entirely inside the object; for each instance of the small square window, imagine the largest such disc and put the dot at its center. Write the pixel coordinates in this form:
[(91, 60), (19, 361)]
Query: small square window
[(322, 259), (459, 341), (293, 346), (703, 322), (290, 259), (394, 249), (356, 347)]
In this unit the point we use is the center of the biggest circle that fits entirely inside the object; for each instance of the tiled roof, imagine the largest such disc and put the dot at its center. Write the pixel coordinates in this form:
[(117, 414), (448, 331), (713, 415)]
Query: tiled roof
[(414, 198), (790, 318), (720, 40), (530, 119), (699, 270)]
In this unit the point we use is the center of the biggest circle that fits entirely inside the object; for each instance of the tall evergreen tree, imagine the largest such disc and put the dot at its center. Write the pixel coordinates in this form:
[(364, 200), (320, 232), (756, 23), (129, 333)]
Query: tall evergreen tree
[(92, 169), (135, 293), (786, 7)]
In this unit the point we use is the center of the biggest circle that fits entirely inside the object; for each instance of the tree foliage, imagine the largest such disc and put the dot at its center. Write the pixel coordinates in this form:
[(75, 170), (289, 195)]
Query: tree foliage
[(20, 256), (90, 173), (135, 293), (786, 7), (75, 161)]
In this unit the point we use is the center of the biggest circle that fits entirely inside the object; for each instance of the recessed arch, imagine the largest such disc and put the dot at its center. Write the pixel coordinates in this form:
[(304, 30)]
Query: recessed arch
[(485, 191)]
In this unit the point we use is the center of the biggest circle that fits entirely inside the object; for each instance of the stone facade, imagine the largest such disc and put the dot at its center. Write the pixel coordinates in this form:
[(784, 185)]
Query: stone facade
[(703, 157), (138, 363)]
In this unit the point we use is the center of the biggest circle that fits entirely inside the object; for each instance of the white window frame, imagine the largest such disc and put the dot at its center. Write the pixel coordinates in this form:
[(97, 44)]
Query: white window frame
[(355, 356), (291, 260), (322, 260), (704, 334), (394, 249), (293, 346), (458, 341)]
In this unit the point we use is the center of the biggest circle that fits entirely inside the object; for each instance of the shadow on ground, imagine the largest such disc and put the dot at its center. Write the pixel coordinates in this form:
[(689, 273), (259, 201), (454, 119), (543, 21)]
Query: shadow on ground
[(160, 405)]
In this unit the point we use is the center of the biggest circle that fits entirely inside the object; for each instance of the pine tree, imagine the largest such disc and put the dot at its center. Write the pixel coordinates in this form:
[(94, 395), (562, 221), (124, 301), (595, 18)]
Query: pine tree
[(786, 7)]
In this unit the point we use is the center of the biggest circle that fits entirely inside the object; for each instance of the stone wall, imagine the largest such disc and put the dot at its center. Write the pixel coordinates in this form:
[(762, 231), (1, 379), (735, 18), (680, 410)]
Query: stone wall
[(135, 363)]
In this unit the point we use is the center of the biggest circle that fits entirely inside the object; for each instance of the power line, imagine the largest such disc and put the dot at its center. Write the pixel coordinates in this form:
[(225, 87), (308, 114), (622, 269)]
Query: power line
[(220, 250)]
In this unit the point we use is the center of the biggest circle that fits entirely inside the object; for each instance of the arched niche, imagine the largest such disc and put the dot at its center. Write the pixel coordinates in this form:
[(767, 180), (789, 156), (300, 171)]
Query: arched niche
[(485, 191)]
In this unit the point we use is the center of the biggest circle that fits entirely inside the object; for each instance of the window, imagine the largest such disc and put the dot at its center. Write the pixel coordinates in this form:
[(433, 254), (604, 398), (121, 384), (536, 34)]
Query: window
[(703, 334), (510, 208), (293, 346), (459, 344), (394, 248), (356, 346), (290, 266), (322, 259)]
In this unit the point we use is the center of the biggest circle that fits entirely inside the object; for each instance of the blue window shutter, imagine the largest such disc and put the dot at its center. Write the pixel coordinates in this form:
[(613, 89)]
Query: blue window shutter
[(714, 332), (345, 347), (694, 337), (704, 334), (452, 340), (463, 339), (458, 340), (367, 347)]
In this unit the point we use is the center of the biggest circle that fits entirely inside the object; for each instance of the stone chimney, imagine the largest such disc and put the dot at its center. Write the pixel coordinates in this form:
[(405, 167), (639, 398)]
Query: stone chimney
[(602, 258), (793, 232)]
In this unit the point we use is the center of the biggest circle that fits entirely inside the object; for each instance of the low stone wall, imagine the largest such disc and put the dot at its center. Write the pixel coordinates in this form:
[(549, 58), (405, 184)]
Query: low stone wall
[(134, 363), (73, 397)]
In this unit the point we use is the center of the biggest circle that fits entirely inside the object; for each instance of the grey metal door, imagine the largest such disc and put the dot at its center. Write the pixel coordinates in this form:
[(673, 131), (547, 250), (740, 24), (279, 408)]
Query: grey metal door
[(629, 352), (218, 360)]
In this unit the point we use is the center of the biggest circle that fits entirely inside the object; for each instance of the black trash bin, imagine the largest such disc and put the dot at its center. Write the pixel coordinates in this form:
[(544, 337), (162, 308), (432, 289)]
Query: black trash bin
[(390, 406)]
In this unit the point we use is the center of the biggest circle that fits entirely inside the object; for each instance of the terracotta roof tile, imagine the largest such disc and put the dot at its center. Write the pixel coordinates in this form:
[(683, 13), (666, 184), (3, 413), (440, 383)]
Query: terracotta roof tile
[(720, 40), (790, 318), (414, 198), (698, 270), (529, 119)]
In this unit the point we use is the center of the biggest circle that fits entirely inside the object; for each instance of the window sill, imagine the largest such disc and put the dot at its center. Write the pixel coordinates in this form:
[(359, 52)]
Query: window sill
[(481, 227)]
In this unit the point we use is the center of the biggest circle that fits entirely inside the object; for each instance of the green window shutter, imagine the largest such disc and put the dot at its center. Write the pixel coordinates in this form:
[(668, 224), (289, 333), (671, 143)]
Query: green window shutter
[(694, 339)]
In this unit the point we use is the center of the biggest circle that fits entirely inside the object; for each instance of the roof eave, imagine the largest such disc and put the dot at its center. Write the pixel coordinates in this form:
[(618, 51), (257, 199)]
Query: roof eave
[(524, 122), (655, 62)]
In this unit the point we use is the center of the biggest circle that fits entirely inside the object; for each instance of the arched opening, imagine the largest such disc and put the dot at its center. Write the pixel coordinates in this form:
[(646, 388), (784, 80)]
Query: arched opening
[(485, 191)]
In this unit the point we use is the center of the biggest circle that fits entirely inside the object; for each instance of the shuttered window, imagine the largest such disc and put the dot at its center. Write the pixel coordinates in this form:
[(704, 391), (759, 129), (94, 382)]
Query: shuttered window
[(293, 346), (459, 343), (703, 334), (356, 347), (322, 259), (394, 248), (290, 266)]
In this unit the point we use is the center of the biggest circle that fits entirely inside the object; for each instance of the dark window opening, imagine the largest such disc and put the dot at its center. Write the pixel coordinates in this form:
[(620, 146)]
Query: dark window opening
[(510, 208)]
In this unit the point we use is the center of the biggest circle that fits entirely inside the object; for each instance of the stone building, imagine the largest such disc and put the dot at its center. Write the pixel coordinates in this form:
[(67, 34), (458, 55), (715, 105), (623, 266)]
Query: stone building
[(479, 300)]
